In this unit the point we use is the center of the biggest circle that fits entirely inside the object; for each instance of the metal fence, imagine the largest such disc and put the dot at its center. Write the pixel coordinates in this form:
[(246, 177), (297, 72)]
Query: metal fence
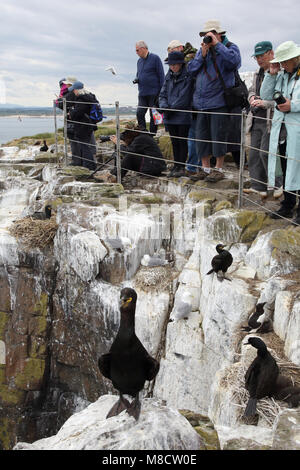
[(243, 146)]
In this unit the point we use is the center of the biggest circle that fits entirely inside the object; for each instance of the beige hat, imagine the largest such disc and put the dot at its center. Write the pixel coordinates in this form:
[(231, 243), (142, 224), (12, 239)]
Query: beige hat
[(212, 25), (173, 44), (287, 50), (70, 80)]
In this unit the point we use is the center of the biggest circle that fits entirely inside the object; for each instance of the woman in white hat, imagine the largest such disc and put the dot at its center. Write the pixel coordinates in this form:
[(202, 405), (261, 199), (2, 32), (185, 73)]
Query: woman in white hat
[(283, 79)]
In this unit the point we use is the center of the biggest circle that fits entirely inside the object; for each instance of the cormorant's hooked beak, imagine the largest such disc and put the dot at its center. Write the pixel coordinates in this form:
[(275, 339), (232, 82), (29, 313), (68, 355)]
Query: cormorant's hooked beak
[(124, 301)]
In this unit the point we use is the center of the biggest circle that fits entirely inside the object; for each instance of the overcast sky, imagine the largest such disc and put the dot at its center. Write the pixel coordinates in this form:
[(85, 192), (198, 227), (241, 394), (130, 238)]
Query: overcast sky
[(43, 41)]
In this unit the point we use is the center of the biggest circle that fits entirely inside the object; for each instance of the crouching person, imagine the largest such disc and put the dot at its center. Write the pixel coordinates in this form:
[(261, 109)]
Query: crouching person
[(140, 153)]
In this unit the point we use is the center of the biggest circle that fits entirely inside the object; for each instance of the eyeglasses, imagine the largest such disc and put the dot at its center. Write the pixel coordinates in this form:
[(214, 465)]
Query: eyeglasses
[(260, 55)]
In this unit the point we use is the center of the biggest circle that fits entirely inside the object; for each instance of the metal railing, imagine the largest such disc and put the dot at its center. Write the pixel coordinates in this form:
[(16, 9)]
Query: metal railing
[(243, 146)]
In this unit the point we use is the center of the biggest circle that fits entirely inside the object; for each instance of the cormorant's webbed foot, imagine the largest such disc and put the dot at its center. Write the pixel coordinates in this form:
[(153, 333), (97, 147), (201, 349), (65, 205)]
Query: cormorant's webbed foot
[(135, 408), (121, 405)]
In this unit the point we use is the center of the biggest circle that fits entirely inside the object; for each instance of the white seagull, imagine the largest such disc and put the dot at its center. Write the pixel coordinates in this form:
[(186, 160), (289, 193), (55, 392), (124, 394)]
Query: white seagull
[(111, 69)]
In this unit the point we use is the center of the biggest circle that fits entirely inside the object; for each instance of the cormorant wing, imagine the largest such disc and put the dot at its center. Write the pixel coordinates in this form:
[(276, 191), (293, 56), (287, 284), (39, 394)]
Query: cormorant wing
[(104, 365), (251, 376), (151, 367), (216, 263)]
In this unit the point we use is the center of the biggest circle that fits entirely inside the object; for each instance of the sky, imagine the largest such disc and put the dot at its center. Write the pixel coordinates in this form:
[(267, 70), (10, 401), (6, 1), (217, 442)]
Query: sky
[(44, 41)]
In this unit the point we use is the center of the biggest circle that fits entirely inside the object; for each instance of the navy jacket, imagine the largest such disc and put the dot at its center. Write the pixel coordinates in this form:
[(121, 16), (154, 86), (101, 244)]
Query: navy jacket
[(177, 93), (150, 75), (209, 93), (80, 114)]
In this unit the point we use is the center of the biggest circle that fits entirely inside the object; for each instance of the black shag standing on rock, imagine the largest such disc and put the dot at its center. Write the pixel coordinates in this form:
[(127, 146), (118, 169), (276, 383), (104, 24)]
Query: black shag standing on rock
[(261, 376), (44, 148), (128, 365), (221, 262), (43, 215)]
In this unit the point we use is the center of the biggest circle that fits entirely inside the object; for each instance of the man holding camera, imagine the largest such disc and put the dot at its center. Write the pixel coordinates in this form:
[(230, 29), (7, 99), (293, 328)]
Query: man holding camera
[(259, 123), (216, 56), (282, 84), (150, 77)]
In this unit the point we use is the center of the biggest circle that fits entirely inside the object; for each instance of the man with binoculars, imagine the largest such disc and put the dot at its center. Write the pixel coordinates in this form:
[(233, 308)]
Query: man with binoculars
[(214, 67)]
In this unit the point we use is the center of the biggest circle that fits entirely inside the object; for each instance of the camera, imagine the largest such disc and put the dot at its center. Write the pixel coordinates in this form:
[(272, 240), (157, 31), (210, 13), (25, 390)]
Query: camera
[(278, 97), (136, 80), (207, 39), (104, 138)]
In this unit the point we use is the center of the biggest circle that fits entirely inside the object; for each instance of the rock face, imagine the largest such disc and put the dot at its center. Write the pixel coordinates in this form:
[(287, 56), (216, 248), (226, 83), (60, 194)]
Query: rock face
[(158, 428), (59, 306)]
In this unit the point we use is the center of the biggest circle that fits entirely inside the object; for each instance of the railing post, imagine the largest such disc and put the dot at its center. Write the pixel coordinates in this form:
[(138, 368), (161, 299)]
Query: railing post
[(65, 131), (118, 159), (242, 158), (55, 127)]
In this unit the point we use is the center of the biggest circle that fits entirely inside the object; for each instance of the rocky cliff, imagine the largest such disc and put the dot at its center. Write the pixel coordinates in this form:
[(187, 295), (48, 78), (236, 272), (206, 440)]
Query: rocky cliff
[(59, 302)]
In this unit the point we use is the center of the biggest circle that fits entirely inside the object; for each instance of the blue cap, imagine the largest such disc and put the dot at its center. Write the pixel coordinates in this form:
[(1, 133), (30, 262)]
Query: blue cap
[(175, 57), (76, 86), (262, 47)]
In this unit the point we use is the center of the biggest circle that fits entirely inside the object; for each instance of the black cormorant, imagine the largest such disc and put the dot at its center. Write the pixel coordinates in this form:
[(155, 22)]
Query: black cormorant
[(128, 365), (261, 376), (221, 262), (44, 148), (43, 215)]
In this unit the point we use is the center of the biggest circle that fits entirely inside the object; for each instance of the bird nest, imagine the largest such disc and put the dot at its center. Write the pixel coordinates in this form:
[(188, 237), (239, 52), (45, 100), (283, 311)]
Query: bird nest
[(156, 277), (267, 408), (34, 233)]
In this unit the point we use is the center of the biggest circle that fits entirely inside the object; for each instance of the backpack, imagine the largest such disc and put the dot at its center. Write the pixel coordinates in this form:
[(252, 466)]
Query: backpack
[(239, 83), (96, 114)]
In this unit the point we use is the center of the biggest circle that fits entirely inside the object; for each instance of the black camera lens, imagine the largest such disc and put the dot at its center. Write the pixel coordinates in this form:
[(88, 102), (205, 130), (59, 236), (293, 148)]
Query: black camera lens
[(207, 39), (278, 97)]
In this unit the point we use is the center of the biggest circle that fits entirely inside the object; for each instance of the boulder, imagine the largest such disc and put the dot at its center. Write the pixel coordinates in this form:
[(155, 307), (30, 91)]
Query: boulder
[(287, 430), (158, 428)]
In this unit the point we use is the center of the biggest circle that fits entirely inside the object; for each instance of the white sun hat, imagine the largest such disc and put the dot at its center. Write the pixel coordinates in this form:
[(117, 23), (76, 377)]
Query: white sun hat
[(212, 25), (285, 51)]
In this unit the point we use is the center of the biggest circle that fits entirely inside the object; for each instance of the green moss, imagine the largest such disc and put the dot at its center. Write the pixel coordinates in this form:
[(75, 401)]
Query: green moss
[(251, 223), (223, 205), (287, 241), (37, 347), (198, 196), (77, 172), (9, 396), (6, 433), (165, 146), (32, 375), (151, 200), (209, 436), (41, 306), (55, 203), (3, 321), (46, 158)]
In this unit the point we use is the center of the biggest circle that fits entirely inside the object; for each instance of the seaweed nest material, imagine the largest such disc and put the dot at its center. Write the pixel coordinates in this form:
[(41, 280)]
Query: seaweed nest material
[(267, 408), (34, 233)]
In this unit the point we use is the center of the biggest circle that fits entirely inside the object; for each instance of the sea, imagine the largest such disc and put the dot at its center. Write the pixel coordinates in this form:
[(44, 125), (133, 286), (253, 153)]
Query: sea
[(15, 127)]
